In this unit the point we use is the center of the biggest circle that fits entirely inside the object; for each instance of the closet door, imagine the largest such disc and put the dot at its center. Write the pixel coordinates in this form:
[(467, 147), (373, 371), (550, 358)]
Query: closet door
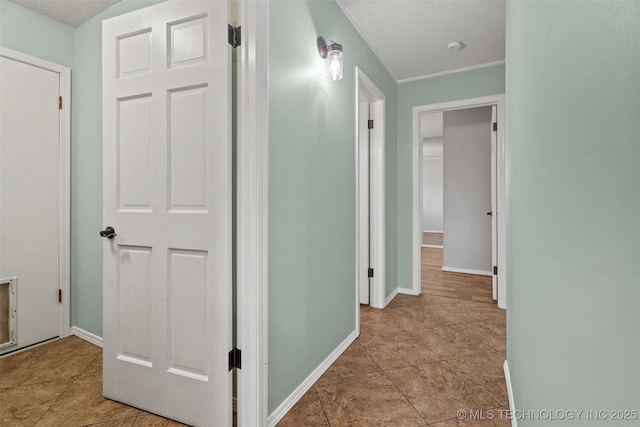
[(167, 199), (29, 204)]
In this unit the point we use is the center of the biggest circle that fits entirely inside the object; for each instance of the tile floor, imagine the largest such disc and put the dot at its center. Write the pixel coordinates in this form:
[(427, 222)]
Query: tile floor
[(415, 364), (60, 384)]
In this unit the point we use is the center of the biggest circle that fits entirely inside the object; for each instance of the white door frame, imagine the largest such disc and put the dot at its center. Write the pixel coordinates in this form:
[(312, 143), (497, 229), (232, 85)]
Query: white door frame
[(499, 101), (375, 212), (64, 226), (252, 225)]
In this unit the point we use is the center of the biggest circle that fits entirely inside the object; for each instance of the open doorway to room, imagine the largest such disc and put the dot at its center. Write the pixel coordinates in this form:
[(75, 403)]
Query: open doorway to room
[(457, 197), (458, 200)]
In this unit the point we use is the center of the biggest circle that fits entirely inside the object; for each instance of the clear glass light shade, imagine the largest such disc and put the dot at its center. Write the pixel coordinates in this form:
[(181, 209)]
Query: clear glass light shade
[(334, 65)]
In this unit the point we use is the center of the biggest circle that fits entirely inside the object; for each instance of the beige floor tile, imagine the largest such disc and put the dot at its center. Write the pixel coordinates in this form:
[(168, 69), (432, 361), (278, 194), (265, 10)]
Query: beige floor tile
[(83, 404), (492, 419), (374, 321), (448, 341), (417, 317), (25, 405), (307, 412), (398, 350), (487, 333), (127, 422), (146, 419), (56, 361), (354, 361), (94, 368), (451, 314), (369, 400), (437, 392), (484, 370)]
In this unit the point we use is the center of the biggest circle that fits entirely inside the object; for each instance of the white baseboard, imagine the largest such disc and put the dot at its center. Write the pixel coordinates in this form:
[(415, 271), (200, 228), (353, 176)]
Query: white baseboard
[(433, 231), (467, 271), (282, 410), (512, 406), (408, 291), (390, 298), (87, 336)]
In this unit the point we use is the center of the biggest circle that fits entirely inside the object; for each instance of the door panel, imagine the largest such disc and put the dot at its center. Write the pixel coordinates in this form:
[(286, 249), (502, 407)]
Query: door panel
[(167, 193), (134, 304)]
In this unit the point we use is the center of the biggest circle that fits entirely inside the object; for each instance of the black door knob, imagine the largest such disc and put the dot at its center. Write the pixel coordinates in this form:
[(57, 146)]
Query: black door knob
[(489, 213), (108, 232)]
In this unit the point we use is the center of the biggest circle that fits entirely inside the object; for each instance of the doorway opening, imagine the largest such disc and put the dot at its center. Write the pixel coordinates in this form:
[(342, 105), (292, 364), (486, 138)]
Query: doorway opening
[(459, 197), (370, 190)]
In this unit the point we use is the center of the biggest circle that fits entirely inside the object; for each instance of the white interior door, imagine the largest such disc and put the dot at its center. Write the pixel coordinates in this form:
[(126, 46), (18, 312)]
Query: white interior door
[(494, 199), (167, 194), (30, 200)]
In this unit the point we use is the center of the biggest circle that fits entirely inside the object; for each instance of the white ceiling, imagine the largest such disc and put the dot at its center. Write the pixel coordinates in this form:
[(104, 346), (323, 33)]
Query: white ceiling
[(70, 12), (410, 37)]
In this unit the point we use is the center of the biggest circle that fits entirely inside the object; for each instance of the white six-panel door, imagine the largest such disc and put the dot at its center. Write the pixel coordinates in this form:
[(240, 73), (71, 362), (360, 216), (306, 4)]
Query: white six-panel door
[(167, 194)]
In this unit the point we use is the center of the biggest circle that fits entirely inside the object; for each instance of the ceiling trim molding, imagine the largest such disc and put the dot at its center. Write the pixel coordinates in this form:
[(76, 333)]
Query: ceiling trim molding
[(457, 70)]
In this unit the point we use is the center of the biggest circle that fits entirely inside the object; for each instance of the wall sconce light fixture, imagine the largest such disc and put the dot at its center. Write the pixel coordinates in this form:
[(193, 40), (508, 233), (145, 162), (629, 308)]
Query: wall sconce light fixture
[(333, 54)]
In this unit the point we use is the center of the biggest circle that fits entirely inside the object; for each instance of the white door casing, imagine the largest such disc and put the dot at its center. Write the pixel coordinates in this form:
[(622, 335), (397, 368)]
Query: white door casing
[(375, 211), (494, 200), (34, 196), (499, 213), (252, 172), (167, 193)]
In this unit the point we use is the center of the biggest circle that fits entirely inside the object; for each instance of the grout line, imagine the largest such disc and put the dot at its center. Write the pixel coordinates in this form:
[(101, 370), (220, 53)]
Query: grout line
[(71, 382), (326, 417), (405, 397), (58, 398)]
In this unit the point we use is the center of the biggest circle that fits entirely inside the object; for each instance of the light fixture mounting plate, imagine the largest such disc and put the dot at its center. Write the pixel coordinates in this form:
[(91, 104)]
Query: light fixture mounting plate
[(322, 47)]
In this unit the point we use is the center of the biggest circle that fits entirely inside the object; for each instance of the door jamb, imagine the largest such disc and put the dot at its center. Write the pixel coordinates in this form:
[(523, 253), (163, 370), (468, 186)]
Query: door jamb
[(64, 226), (376, 98), (499, 101), (252, 226)]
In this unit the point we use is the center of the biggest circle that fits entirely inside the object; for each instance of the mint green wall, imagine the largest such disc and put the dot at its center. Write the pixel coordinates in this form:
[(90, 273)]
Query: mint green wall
[(573, 200), (433, 90), (312, 188), (35, 34)]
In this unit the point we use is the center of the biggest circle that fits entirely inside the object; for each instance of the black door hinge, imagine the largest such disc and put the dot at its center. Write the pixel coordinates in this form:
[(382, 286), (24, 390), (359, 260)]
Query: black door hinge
[(370, 124), (235, 36), (495, 270), (495, 126), (370, 272), (235, 359)]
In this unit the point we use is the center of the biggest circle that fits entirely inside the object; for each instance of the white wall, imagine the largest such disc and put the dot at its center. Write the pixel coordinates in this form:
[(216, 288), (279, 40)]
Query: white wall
[(432, 185), (467, 189)]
